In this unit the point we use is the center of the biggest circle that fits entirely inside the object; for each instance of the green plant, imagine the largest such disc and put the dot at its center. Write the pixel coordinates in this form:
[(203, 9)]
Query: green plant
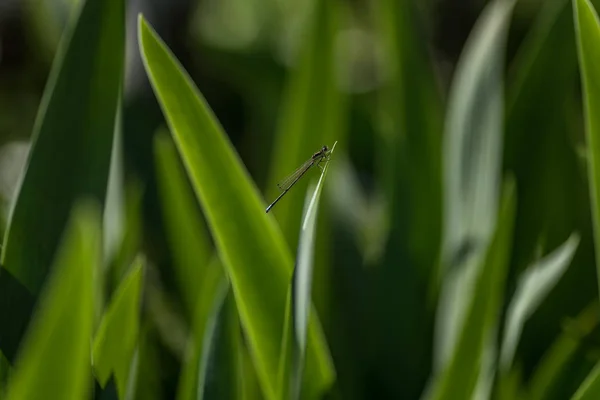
[(451, 277)]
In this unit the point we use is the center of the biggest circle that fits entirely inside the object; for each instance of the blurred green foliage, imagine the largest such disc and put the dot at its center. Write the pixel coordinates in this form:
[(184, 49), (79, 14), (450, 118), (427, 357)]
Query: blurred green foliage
[(450, 253)]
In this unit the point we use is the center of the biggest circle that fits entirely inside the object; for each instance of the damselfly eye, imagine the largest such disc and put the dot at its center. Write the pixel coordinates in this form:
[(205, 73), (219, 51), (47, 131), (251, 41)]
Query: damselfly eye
[(325, 149)]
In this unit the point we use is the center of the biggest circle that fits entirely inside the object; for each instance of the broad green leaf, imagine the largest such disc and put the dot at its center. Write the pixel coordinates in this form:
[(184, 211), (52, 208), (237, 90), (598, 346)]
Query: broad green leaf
[(459, 379), (587, 28), (115, 341), (186, 233), (533, 286), (211, 297), (311, 114), (72, 138), (291, 367), (252, 249), (590, 388), (472, 169), (54, 360)]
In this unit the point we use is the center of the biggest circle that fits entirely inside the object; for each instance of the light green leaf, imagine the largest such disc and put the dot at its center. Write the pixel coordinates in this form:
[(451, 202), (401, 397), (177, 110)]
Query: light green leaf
[(312, 110), (72, 138), (472, 169), (533, 286), (54, 360), (291, 367), (252, 249), (117, 336), (459, 379), (587, 27)]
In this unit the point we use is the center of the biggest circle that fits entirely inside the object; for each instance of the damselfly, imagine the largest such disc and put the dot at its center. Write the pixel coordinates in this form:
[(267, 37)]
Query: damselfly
[(286, 184)]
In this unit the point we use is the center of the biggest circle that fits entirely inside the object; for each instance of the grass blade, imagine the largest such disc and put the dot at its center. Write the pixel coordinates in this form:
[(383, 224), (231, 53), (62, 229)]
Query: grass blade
[(252, 249), (117, 335), (54, 361)]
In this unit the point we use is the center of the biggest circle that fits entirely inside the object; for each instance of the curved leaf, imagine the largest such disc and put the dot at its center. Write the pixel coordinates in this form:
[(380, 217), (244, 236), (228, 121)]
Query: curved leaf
[(534, 284), (54, 361), (252, 249)]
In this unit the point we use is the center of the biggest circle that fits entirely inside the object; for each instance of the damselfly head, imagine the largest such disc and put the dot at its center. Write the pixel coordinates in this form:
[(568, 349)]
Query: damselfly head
[(325, 149)]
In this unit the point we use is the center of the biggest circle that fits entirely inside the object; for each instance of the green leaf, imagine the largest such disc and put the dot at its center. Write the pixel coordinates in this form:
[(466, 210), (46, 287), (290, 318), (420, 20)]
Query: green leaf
[(472, 169), (72, 138), (117, 336), (590, 388), (312, 110), (459, 379), (291, 367), (533, 286), (252, 249), (54, 361), (587, 28), (186, 233)]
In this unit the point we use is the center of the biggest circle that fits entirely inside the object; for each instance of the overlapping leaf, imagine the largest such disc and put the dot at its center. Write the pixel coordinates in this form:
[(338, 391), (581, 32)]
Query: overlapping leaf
[(252, 249)]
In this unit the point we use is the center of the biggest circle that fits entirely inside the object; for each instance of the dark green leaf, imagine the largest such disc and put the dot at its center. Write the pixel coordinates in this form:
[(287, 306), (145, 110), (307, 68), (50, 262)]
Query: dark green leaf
[(72, 138)]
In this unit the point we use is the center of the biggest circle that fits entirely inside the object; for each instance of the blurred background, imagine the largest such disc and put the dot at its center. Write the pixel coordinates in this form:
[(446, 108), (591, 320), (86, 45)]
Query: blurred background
[(375, 283)]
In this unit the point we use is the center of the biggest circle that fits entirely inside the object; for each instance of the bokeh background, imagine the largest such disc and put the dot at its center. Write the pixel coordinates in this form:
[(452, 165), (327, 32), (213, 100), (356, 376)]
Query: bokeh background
[(376, 280)]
